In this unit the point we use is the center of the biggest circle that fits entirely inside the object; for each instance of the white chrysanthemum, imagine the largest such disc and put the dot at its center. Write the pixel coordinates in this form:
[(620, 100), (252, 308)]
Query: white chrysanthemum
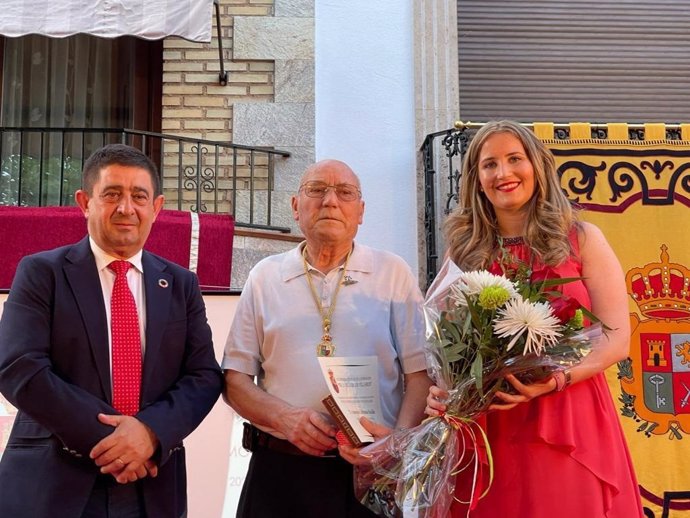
[(521, 316), (473, 282)]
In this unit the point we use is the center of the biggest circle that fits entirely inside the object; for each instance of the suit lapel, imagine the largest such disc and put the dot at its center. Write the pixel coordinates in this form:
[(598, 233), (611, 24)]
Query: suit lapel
[(158, 288), (82, 276)]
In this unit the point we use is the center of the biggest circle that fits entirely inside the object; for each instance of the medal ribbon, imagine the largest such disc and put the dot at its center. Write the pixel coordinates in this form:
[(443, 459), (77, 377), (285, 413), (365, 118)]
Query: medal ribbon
[(326, 346)]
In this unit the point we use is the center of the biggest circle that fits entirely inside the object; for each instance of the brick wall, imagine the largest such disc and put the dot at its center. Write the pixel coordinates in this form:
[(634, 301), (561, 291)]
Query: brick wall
[(195, 105), (268, 101)]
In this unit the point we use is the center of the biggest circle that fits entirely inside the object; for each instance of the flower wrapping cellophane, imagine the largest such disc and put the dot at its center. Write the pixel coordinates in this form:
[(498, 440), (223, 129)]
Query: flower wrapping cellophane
[(475, 337)]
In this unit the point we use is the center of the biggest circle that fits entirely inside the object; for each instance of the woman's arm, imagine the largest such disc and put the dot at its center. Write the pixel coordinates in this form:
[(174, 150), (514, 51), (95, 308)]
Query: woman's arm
[(605, 282)]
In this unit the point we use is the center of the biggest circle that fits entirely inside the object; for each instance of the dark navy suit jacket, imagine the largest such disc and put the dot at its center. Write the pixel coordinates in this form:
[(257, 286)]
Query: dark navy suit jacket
[(55, 368)]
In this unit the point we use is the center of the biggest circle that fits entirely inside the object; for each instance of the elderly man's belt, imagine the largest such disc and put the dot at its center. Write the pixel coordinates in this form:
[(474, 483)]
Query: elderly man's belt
[(254, 439)]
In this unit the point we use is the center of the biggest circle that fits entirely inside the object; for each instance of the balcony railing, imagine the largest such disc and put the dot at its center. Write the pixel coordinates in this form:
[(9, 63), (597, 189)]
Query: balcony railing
[(42, 166), (441, 154)]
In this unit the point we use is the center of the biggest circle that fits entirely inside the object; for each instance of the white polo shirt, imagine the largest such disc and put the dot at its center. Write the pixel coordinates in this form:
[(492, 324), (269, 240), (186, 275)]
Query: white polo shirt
[(277, 326)]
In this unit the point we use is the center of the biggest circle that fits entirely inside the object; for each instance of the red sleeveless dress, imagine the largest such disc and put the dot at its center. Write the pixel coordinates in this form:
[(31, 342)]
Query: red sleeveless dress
[(562, 455)]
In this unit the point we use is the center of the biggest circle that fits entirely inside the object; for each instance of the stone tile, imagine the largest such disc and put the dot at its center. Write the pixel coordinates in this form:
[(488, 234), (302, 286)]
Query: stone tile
[(294, 81), (269, 246), (252, 202), (258, 37), (291, 124), (281, 215), (239, 241), (296, 8), (289, 171), (244, 259)]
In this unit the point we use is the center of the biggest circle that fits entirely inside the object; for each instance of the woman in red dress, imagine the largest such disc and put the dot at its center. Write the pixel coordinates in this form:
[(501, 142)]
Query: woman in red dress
[(558, 447)]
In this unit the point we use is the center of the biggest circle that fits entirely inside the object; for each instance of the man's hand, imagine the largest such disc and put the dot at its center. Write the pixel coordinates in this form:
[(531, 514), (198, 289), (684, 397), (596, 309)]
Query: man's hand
[(307, 429), (126, 452), (351, 454)]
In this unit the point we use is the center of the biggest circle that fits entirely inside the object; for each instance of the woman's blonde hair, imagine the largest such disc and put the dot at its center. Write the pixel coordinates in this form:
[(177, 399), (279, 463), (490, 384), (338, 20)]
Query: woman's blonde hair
[(472, 230)]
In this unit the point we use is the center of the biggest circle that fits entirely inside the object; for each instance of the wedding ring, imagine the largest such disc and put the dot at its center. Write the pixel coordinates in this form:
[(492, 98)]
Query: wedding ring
[(122, 463)]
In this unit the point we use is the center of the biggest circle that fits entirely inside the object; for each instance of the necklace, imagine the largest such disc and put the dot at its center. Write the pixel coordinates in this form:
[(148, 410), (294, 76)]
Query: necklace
[(513, 241), (325, 347), (512, 266)]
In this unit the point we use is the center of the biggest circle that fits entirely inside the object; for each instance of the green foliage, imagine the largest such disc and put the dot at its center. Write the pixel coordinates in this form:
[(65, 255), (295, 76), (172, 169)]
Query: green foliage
[(23, 182)]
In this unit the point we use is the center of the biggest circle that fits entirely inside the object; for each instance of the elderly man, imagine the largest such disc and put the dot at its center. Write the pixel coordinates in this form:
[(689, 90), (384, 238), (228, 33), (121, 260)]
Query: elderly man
[(329, 296), (107, 354)]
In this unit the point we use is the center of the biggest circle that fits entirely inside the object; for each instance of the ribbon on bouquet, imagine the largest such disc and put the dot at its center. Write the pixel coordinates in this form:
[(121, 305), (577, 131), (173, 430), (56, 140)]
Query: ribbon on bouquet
[(465, 428)]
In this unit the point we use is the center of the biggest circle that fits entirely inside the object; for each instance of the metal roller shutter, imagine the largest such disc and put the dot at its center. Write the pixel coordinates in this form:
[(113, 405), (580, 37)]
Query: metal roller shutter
[(575, 60)]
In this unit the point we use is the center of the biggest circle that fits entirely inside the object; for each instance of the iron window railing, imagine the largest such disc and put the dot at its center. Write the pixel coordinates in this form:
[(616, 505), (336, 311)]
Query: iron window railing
[(42, 166)]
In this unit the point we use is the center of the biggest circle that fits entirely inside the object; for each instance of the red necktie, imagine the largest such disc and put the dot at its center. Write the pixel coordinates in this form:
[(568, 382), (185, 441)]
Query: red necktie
[(126, 343)]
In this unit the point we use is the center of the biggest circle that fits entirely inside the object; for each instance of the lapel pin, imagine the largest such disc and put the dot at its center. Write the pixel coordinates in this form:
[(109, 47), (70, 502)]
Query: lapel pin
[(347, 281), (162, 283)]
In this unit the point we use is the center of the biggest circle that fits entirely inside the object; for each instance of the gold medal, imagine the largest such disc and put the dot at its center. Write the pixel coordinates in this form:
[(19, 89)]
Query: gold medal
[(325, 347)]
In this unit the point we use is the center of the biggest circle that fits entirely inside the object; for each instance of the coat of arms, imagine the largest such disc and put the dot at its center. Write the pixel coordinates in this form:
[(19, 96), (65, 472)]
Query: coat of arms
[(655, 381)]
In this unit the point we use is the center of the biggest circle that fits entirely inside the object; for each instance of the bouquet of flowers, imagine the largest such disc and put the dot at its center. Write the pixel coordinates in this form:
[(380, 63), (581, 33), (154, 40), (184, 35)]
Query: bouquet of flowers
[(481, 326)]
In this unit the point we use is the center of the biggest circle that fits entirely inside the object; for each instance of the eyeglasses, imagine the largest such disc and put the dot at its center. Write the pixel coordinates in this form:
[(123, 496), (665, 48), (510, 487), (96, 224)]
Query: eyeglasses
[(344, 191)]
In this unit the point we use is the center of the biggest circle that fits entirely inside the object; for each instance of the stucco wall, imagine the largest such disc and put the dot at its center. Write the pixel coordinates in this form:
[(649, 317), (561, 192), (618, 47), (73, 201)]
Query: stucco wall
[(365, 111)]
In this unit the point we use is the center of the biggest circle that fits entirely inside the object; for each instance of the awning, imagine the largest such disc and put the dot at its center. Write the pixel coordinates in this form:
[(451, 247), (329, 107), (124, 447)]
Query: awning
[(149, 19)]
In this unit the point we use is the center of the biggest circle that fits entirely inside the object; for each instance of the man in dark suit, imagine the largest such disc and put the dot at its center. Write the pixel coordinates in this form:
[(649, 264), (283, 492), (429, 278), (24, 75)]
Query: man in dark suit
[(72, 453)]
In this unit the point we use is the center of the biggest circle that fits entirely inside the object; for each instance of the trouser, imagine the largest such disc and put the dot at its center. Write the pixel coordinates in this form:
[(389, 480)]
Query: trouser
[(112, 500), (284, 485)]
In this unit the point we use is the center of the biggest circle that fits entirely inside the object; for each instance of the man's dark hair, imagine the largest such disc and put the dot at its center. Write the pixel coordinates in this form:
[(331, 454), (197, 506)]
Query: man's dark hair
[(119, 154)]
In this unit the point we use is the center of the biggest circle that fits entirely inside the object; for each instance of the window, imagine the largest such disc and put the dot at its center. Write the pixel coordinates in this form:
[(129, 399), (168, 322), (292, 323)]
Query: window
[(77, 82)]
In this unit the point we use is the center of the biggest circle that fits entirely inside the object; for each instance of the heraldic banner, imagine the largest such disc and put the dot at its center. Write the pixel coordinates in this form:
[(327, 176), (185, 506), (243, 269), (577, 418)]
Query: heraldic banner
[(637, 190)]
